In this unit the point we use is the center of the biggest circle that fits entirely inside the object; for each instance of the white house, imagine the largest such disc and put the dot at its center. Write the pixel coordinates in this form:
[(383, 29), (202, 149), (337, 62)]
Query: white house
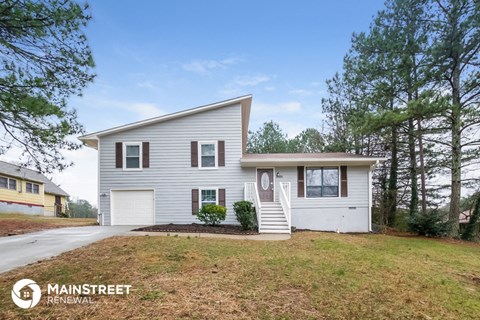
[(161, 170)]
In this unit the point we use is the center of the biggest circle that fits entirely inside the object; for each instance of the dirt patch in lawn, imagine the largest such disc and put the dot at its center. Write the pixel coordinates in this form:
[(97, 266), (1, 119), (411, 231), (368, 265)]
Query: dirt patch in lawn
[(14, 227), (196, 228), (14, 224)]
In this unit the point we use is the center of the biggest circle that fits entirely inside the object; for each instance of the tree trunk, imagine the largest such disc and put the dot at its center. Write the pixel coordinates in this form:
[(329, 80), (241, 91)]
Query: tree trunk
[(413, 168), (456, 172), (392, 182), (422, 166)]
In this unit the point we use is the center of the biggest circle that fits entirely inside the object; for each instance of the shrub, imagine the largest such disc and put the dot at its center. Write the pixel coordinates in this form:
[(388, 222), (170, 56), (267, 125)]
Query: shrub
[(245, 214), (212, 214), (431, 224)]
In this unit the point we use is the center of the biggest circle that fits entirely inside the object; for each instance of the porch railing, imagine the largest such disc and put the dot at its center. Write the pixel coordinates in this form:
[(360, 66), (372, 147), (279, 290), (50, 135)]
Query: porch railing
[(285, 197), (251, 194)]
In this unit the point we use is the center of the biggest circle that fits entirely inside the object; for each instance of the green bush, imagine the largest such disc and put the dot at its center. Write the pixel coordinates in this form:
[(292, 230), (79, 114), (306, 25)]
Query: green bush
[(431, 224), (212, 214), (245, 214)]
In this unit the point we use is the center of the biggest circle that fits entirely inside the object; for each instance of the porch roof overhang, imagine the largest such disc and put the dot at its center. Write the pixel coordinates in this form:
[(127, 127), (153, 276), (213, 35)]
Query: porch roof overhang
[(310, 159)]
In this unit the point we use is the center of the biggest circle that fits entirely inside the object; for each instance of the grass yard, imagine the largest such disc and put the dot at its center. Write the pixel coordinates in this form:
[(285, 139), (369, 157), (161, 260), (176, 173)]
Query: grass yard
[(12, 224), (311, 276)]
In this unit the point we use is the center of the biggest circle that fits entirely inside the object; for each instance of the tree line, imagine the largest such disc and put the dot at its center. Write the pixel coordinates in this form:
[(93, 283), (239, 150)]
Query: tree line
[(409, 90)]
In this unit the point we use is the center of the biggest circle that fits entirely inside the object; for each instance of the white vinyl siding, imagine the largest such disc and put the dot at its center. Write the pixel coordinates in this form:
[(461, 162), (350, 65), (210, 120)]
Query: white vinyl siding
[(170, 172)]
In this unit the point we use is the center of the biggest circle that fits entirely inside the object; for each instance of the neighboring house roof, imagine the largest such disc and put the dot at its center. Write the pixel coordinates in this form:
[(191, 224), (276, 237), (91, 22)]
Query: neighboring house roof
[(91, 139), (289, 159), (31, 175)]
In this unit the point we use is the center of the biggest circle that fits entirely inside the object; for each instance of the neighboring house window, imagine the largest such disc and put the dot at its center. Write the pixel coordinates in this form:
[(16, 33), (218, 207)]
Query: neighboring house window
[(133, 152), (8, 183), (208, 151), (322, 182), (32, 188), (208, 196)]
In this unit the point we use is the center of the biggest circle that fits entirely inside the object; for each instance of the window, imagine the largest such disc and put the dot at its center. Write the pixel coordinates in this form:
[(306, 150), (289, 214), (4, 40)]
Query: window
[(8, 183), (133, 154), (208, 155), (322, 182), (208, 196), (32, 188)]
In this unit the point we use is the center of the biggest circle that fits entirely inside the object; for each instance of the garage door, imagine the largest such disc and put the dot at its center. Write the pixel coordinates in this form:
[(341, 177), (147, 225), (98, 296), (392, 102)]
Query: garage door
[(132, 207)]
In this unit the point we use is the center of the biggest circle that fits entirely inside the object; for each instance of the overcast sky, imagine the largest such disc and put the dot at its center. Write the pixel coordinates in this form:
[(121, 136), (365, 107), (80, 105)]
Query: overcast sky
[(158, 57)]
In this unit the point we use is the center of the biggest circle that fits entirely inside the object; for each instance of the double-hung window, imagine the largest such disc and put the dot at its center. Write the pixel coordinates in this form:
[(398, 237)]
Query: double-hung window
[(322, 182), (133, 156), (208, 196), (8, 183), (208, 154), (32, 188)]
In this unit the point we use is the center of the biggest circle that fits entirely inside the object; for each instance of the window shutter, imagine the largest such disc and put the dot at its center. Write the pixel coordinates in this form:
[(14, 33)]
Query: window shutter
[(221, 153), (300, 182), (343, 181), (195, 203), (221, 197), (118, 155), (194, 153), (145, 154)]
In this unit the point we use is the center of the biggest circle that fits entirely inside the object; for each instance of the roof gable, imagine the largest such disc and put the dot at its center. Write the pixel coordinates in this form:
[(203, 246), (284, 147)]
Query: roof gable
[(91, 139)]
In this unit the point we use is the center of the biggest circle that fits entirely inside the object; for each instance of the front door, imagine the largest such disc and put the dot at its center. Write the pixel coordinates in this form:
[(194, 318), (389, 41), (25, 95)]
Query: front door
[(265, 184)]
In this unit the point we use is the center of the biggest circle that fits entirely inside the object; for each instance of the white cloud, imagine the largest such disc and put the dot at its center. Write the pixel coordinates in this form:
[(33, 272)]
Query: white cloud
[(277, 108), (240, 83), (250, 81), (302, 92), (145, 110), (206, 66)]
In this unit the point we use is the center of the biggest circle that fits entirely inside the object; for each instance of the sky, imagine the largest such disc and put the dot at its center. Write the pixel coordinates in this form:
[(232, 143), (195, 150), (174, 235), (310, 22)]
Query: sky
[(158, 57)]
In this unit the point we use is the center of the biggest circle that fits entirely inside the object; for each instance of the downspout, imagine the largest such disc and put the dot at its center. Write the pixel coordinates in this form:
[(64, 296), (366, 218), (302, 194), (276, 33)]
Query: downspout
[(370, 195)]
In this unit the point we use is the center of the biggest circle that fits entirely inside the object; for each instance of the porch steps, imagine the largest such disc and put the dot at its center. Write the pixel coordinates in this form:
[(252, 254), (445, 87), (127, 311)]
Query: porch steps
[(273, 218)]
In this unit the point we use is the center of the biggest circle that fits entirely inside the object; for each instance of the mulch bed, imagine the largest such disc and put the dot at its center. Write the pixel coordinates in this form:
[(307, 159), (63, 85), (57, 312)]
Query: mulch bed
[(197, 228)]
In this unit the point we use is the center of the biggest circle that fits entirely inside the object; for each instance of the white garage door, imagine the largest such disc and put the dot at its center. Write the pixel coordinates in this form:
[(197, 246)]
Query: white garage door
[(132, 207)]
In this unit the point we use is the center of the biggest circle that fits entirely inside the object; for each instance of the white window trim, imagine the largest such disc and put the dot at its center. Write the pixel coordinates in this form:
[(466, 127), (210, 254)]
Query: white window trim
[(124, 156), (200, 195), (8, 184), (200, 143), (32, 183), (323, 167)]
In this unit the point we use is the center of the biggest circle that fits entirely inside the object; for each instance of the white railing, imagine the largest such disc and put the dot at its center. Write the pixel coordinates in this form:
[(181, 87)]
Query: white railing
[(285, 191), (251, 194)]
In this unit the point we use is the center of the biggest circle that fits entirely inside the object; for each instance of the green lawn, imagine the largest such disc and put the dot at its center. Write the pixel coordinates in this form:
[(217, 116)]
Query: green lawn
[(313, 275)]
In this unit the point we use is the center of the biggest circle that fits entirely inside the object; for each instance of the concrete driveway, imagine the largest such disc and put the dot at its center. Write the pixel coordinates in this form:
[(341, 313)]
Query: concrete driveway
[(20, 250)]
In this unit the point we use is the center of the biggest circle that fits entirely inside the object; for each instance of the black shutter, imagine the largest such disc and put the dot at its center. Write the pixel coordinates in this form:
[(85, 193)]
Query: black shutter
[(221, 153), (195, 203), (118, 155), (300, 182), (343, 181), (221, 197), (145, 154), (194, 153)]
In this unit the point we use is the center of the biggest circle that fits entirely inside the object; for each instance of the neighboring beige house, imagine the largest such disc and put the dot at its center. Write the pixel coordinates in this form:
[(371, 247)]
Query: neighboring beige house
[(26, 191)]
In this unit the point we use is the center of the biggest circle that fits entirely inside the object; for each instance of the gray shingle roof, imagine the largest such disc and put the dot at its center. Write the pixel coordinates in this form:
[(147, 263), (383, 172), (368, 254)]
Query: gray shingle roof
[(28, 174)]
